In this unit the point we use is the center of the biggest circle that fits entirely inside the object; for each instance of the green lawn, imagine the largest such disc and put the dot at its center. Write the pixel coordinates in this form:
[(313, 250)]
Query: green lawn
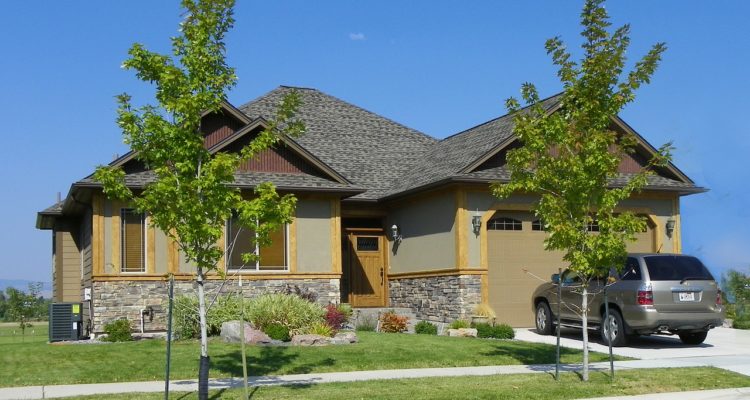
[(46, 364), (527, 386), (11, 333)]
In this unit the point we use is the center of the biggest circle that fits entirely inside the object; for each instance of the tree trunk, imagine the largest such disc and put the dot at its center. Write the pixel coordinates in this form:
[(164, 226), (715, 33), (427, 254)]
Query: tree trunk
[(585, 326), (204, 360)]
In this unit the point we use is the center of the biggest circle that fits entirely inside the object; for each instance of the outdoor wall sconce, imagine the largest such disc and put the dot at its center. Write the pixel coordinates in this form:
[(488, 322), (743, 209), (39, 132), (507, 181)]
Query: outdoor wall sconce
[(670, 227), (395, 234), (476, 223)]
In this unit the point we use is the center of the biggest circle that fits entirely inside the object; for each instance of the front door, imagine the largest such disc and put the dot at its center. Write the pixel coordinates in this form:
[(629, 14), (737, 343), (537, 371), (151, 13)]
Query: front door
[(367, 268)]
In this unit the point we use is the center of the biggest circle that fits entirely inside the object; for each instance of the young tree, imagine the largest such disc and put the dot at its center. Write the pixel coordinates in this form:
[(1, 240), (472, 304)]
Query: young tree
[(571, 156), (22, 306), (191, 196), (737, 286)]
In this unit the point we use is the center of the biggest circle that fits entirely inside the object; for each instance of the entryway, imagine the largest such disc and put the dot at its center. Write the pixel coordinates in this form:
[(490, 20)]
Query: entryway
[(365, 276)]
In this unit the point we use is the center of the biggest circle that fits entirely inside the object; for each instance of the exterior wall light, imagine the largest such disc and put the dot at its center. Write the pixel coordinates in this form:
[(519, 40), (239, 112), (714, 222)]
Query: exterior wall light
[(670, 227), (395, 234), (476, 223)]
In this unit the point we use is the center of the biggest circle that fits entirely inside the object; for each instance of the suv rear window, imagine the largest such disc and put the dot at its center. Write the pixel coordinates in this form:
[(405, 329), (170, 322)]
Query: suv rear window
[(676, 268)]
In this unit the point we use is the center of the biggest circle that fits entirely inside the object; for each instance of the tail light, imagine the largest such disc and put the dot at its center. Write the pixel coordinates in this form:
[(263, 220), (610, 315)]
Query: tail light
[(645, 296), (719, 301)]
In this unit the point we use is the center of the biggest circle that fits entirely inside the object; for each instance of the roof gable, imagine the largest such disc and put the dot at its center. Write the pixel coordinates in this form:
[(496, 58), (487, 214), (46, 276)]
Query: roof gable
[(367, 149)]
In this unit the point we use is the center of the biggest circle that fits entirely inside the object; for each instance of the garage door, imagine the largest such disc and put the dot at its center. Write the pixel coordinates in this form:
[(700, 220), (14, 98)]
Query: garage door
[(515, 241)]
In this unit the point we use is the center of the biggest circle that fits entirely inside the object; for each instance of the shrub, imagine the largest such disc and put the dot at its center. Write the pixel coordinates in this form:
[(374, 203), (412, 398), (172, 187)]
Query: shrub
[(277, 332), (425, 328), (366, 323), (288, 310), (484, 310), (346, 310), (460, 324), (391, 322), (185, 317), (226, 308), (334, 318), (321, 328), (118, 331), (502, 331), (304, 294), (743, 323)]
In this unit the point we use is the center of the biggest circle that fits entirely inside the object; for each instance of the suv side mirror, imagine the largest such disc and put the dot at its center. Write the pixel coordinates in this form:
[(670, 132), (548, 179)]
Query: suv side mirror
[(555, 278)]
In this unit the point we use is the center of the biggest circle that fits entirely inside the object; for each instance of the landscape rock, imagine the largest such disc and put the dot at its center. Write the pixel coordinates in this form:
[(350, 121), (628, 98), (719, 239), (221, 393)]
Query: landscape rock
[(310, 340), (463, 332), (231, 333), (349, 337)]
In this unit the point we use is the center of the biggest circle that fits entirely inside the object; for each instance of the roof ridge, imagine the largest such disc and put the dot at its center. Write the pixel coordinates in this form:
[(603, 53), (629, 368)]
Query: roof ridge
[(500, 117), (242, 107)]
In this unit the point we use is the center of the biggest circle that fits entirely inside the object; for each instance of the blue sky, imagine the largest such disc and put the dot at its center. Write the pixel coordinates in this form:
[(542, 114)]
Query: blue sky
[(436, 66)]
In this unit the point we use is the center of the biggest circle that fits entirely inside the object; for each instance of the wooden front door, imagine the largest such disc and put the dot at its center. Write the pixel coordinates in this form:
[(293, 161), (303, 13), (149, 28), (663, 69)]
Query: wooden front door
[(367, 272)]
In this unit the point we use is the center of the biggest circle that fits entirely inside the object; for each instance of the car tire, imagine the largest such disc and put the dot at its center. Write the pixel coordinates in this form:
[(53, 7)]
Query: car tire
[(543, 318), (693, 337), (619, 338)]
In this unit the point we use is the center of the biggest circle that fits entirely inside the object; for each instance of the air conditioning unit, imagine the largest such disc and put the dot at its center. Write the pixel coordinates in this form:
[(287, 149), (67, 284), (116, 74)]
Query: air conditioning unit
[(65, 321)]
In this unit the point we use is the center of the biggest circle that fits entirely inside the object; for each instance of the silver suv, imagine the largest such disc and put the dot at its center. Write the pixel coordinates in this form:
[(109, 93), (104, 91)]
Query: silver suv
[(653, 294)]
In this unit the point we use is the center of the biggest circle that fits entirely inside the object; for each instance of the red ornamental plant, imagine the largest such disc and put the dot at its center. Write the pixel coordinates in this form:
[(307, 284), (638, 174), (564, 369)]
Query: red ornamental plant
[(334, 317)]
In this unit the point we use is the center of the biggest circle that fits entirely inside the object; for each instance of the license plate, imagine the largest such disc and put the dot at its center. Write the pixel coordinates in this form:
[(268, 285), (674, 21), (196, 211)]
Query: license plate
[(686, 296)]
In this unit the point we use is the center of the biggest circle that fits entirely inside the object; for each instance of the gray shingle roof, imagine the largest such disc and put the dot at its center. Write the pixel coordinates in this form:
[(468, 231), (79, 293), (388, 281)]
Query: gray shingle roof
[(283, 181), (448, 157), (501, 174), (367, 149), (54, 209), (381, 158)]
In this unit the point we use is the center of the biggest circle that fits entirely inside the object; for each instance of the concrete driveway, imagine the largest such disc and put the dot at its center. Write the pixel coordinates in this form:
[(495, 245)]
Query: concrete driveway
[(724, 347)]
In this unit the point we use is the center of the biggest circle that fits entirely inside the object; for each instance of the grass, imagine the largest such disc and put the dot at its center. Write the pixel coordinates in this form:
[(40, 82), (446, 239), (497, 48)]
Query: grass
[(48, 364), (522, 386), (10, 333)]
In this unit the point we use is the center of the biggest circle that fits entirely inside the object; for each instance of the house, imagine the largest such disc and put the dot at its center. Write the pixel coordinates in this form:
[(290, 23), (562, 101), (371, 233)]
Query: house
[(387, 217)]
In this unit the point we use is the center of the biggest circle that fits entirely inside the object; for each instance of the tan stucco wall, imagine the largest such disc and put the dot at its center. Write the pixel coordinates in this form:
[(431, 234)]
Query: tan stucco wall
[(313, 228), (313, 225), (160, 254), (427, 227), (661, 208)]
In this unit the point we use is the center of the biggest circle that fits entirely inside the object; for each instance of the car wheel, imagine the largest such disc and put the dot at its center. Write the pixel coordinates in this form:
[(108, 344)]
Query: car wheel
[(617, 335), (543, 319), (693, 337)]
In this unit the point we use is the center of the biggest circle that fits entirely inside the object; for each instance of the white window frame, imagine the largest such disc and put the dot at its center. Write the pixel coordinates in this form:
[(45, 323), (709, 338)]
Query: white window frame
[(254, 269)]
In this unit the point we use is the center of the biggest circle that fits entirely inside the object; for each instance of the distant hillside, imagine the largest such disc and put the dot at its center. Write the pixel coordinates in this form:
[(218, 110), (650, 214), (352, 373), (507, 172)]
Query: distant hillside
[(23, 284)]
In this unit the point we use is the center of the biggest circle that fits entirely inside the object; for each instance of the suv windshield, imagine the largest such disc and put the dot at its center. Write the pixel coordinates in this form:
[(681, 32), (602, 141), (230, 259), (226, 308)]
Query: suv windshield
[(676, 268)]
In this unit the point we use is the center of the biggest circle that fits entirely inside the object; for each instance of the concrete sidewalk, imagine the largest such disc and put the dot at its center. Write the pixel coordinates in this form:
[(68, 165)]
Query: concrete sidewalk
[(57, 391), (719, 394)]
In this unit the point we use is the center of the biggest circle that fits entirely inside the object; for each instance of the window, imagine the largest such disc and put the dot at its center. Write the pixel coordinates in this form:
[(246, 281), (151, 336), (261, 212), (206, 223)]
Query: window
[(632, 270), (593, 226), (133, 240), (676, 268), (537, 225), (367, 243), (272, 258), (504, 224)]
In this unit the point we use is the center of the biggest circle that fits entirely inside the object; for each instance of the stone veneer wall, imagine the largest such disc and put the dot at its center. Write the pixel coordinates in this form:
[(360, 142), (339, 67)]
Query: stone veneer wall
[(125, 299), (437, 298)]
